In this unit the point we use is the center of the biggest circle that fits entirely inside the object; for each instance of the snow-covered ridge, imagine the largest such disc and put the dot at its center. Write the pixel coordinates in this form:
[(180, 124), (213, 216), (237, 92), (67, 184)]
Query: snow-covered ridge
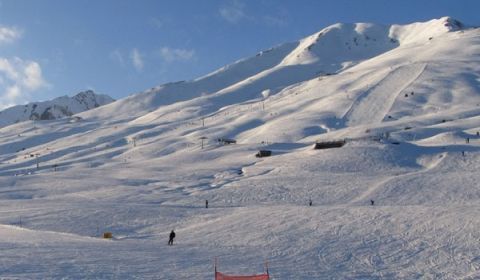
[(59, 107), (329, 51), (343, 43), (421, 31)]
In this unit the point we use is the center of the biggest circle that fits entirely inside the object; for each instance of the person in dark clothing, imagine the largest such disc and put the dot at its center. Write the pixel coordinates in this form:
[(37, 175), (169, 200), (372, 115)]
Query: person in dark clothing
[(172, 236), (310, 202), (206, 203), (372, 202)]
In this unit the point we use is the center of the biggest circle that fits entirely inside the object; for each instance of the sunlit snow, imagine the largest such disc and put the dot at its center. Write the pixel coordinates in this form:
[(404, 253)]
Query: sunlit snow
[(405, 98)]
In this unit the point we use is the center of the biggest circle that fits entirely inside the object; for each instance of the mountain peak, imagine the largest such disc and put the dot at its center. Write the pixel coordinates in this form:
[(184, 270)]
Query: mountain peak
[(87, 92), (452, 24), (342, 43), (420, 32), (59, 107)]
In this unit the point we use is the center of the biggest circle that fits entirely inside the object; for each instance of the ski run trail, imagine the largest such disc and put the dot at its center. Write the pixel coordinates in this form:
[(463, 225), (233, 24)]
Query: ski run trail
[(374, 104)]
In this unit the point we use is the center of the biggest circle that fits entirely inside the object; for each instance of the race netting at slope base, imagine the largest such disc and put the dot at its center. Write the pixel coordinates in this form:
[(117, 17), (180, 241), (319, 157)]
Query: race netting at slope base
[(221, 276)]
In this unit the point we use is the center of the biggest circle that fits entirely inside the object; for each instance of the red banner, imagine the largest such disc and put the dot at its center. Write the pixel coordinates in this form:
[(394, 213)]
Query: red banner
[(221, 276)]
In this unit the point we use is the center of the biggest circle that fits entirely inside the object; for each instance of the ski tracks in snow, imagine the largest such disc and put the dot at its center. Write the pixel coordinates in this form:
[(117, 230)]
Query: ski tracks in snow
[(374, 104), (368, 193)]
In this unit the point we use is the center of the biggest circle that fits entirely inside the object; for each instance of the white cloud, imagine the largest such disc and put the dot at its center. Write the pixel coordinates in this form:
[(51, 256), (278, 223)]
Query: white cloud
[(13, 92), (7, 69), (32, 76), (9, 34), (117, 56), (170, 55), (233, 11), (158, 23), (137, 59), (19, 78), (275, 21)]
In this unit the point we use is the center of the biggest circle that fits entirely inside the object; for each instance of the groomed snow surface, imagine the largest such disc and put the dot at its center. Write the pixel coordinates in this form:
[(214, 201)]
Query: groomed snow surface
[(408, 107)]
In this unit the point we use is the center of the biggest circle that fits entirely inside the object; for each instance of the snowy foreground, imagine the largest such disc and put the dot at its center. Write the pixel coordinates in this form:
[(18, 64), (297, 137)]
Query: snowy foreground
[(408, 104)]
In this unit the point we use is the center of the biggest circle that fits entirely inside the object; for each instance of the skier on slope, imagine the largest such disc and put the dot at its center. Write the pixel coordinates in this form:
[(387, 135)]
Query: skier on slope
[(172, 236)]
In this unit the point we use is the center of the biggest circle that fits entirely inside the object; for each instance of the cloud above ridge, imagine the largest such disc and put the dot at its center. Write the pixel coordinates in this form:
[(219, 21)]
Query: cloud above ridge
[(137, 59), (9, 34), (172, 54), (233, 11), (18, 79)]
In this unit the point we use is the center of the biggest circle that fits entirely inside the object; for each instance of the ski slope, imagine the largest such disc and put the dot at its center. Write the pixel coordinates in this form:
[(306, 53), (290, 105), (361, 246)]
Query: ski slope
[(144, 165), (373, 105)]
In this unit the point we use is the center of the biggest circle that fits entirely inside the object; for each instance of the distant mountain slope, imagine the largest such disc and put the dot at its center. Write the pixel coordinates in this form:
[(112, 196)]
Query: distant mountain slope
[(54, 109), (330, 51), (385, 78), (346, 75)]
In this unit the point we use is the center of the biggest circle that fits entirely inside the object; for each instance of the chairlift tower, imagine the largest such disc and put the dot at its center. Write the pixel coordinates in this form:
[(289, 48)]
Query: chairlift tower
[(202, 139), (37, 161)]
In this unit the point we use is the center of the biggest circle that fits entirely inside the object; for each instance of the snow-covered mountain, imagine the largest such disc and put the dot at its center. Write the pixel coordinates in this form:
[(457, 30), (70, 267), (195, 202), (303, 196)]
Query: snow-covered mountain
[(331, 51), (54, 109), (399, 200)]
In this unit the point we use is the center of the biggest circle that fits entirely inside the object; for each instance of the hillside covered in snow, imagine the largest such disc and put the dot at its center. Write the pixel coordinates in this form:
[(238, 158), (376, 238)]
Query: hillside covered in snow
[(57, 108), (399, 199)]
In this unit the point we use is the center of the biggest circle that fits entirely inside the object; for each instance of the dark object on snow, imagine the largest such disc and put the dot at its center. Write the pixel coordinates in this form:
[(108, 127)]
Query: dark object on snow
[(463, 153), (329, 145), (372, 202), (226, 141), (467, 140), (263, 153), (310, 203), (172, 236), (107, 235), (206, 203)]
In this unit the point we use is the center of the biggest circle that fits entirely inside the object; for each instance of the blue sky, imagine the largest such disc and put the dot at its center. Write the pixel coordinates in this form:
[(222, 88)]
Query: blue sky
[(50, 48)]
